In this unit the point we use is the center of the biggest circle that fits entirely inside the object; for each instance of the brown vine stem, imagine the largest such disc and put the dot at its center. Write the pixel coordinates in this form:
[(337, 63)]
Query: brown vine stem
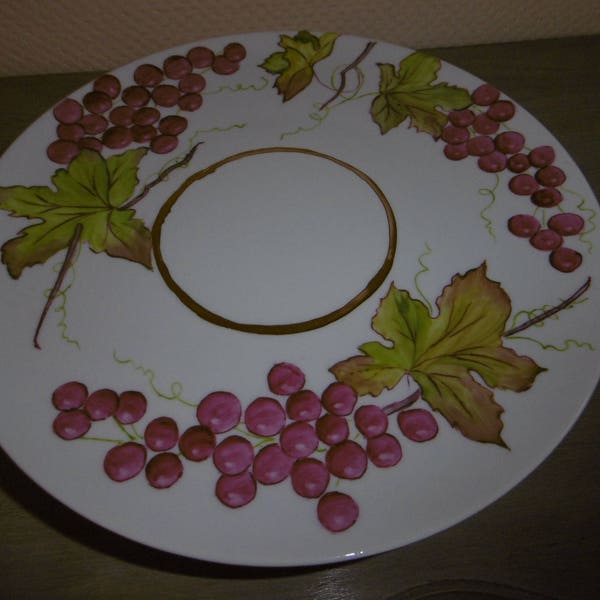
[(551, 311), (345, 70), (162, 176), (400, 404), (69, 258)]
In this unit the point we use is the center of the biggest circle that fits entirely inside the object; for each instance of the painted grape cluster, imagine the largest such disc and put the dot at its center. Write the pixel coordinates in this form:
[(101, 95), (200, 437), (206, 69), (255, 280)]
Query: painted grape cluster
[(308, 439), (475, 132), (145, 112)]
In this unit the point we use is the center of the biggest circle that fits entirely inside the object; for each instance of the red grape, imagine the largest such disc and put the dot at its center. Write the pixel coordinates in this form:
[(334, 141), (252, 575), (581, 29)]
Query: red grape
[(235, 491), (219, 411), (148, 75), (565, 260), (68, 111), (271, 465), (461, 118), (456, 151), (542, 156), (197, 443), (132, 407), (71, 132), (161, 434), (97, 102), (93, 124), (509, 142), (285, 378), (546, 239), (101, 404), (233, 455), (125, 461), (265, 417), (172, 125), (523, 225), (480, 145), (143, 133), (485, 95), (190, 102), (494, 162), (566, 223), (299, 439), (547, 197), (90, 143), (108, 84), (71, 424), (332, 429), (176, 67), (384, 450), (346, 460), (62, 151), (339, 399), (418, 425), (501, 111), (234, 52), (551, 176), (484, 125), (455, 135), (122, 115), (201, 57), (117, 137), (192, 83), (523, 184), (163, 470), (223, 66), (163, 144), (69, 395), (310, 477), (136, 96), (303, 405), (518, 163), (146, 116), (337, 512), (370, 420)]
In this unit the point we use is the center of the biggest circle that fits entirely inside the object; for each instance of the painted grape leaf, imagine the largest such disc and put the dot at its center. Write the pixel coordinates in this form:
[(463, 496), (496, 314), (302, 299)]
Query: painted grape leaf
[(295, 65), (409, 93), (441, 353), (90, 194)]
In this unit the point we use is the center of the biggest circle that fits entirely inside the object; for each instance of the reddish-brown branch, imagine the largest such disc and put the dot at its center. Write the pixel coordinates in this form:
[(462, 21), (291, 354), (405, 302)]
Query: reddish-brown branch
[(400, 404)]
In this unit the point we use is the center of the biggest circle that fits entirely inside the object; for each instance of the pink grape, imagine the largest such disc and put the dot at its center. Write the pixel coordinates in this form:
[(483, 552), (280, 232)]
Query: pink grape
[(456, 151), (303, 405), (71, 132), (161, 434), (485, 95), (236, 491), (271, 465), (518, 163), (163, 470), (384, 450), (547, 197), (201, 57), (135, 96), (101, 404), (337, 512), (523, 225), (455, 135), (339, 399), (62, 151), (97, 102), (542, 156), (90, 143), (523, 184), (172, 125), (125, 461), (108, 84), (234, 52), (197, 443), (233, 455), (219, 411), (494, 162), (332, 429), (176, 67), (147, 115), (93, 124), (370, 420), (223, 66), (417, 424), (309, 477), (566, 223), (68, 111), (546, 239), (165, 95), (122, 115), (69, 395), (285, 378), (484, 125), (480, 145), (565, 259), (143, 133), (71, 424), (510, 142), (162, 144), (117, 137), (192, 83), (551, 176), (265, 417), (148, 75), (501, 111), (299, 439), (132, 407), (346, 460), (190, 102), (461, 118)]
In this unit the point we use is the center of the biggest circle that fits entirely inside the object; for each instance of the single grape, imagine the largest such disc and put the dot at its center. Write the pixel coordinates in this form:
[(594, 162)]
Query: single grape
[(303, 405), (69, 395), (163, 470), (346, 460), (236, 491), (509, 142), (146, 116), (337, 512), (339, 399), (298, 439), (485, 95), (148, 75), (135, 96), (161, 434), (132, 407), (143, 134), (494, 162), (265, 417), (163, 144), (501, 111), (90, 143), (233, 455), (197, 443), (97, 102), (332, 429), (285, 378), (68, 111), (523, 225), (219, 411), (62, 151), (542, 156), (456, 151), (309, 477), (71, 424), (71, 132), (480, 145), (101, 404), (271, 465), (370, 420), (122, 115), (518, 163), (176, 67), (93, 124), (117, 137), (192, 83), (551, 176), (107, 84), (523, 184), (172, 125), (418, 424), (546, 239), (455, 135), (384, 450), (461, 118), (201, 57), (223, 66), (566, 223), (234, 52), (190, 102), (547, 197), (125, 461), (565, 260), (484, 125)]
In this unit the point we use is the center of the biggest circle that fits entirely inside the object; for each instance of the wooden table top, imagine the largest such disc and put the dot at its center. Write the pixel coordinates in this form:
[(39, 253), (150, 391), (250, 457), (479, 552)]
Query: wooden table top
[(541, 540)]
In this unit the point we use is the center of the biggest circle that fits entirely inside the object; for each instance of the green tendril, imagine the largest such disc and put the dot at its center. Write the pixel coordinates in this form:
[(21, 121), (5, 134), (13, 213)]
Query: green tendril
[(122, 428), (491, 192), (566, 344), (100, 439), (424, 269), (531, 314), (317, 116), (240, 87), (582, 207)]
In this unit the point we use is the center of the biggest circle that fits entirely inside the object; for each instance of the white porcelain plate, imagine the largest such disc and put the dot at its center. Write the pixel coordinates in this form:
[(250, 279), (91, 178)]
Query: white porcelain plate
[(353, 290)]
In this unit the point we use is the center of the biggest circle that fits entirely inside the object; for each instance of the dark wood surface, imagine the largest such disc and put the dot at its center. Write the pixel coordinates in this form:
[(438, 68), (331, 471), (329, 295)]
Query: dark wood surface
[(541, 540)]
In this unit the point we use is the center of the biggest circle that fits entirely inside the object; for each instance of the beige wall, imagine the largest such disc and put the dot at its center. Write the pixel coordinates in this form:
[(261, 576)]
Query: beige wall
[(45, 36)]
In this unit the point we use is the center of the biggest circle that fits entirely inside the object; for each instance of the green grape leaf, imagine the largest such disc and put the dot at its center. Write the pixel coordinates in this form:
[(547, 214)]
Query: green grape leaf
[(90, 193), (410, 93), (441, 353), (295, 65)]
